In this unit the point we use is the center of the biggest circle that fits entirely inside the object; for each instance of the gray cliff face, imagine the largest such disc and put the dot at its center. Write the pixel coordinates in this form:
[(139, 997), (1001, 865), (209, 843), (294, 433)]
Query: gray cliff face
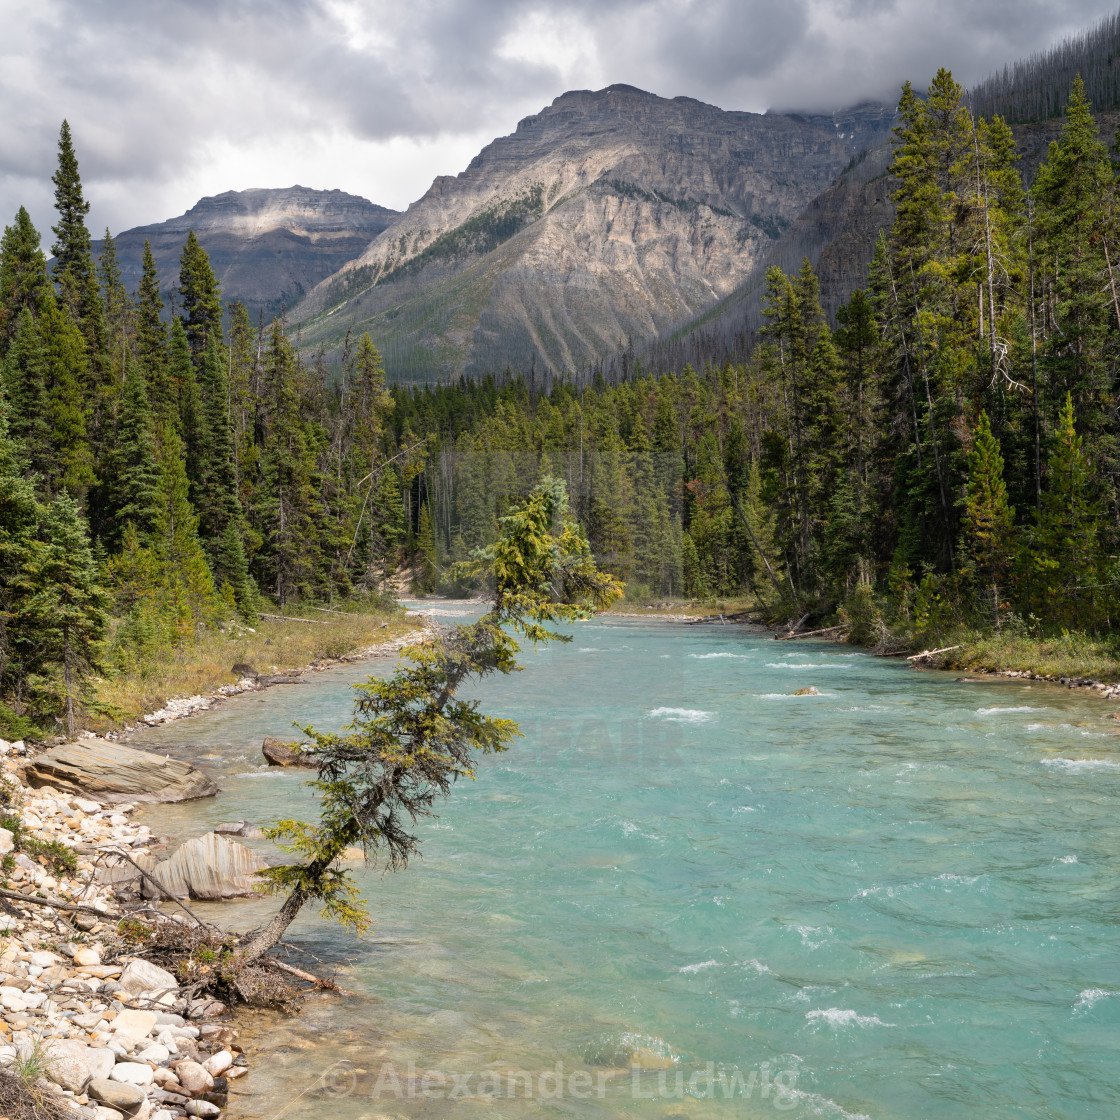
[(609, 216), (267, 247)]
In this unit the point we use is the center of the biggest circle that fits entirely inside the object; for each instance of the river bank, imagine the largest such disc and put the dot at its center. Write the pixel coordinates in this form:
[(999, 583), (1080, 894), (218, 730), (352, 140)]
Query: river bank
[(88, 1027), (239, 659)]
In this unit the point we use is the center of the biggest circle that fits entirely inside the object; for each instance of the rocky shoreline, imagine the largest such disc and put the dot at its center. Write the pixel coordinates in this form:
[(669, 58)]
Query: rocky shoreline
[(112, 1035), (84, 1020)]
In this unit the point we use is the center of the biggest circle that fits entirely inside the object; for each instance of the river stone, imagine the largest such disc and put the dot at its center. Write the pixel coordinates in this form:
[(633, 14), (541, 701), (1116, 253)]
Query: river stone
[(218, 1063), (209, 867), (71, 1063), (143, 976), (116, 1094), (244, 829), (279, 753), (194, 1078), (132, 1073), (115, 774), (7, 841), (86, 956), (202, 1108), (133, 1025)]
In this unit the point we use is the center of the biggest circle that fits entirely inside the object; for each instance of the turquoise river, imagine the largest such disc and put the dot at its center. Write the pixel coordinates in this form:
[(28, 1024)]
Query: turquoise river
[(688, 893)]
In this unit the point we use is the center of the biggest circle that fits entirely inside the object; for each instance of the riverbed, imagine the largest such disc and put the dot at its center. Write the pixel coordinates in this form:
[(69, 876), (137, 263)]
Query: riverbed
[(687, 892)]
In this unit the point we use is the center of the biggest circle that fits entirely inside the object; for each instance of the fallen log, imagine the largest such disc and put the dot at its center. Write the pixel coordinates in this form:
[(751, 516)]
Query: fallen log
[(292, 618), (810, 633), (931, 653)]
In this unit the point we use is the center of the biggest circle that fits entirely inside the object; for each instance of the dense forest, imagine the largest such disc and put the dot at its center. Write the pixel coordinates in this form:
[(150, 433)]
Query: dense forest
[(944, 454)]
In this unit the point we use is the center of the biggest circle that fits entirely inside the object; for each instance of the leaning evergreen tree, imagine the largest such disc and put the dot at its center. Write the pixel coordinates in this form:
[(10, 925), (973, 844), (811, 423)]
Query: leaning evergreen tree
[(412, 737)]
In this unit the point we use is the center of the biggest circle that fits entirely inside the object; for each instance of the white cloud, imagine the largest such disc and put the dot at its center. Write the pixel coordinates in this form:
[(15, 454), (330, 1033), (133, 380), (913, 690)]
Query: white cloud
[(173, 99)]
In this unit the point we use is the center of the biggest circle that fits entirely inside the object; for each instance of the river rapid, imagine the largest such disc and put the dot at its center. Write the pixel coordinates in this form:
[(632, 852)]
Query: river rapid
[(688, 893)]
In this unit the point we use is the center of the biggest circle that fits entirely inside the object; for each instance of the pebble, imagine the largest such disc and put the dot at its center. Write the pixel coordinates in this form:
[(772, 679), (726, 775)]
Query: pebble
[(119, 1047)]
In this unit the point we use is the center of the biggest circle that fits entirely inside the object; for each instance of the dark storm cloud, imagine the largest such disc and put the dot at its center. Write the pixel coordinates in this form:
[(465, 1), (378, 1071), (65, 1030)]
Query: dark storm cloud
[(167, 97)]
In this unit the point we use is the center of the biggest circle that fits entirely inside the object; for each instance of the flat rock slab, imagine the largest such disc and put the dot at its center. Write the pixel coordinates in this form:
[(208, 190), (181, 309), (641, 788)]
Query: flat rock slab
[(114, 774)]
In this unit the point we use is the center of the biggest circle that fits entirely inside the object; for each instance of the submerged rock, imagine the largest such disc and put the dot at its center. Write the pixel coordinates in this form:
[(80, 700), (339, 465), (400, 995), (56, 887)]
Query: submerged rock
[(115, 774), (810, 691), (244, 829), (279, 753)]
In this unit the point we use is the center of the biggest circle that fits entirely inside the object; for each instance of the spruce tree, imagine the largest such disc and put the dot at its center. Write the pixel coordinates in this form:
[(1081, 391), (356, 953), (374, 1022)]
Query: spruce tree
[(190, 599), (201, 296), (66, 371), (74, 269), (215, 496), (232, 569), (23, 275), (150, 343), (1067, 554), (67, 607), (988, 519), (25, 385), (131, 482)]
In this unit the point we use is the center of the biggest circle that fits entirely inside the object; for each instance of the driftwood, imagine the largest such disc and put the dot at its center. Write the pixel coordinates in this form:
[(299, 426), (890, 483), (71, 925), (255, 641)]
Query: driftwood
[(299, 974), (58, 904), (292, 618), (931, 653), (810, 633)]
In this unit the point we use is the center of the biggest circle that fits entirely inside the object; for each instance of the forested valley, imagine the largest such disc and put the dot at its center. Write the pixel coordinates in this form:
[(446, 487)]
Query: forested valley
[(941, 459)]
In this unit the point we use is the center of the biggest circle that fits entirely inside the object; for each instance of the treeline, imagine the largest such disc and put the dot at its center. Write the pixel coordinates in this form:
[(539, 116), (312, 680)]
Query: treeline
[(947, 454), (1037, 88), (163, 468)]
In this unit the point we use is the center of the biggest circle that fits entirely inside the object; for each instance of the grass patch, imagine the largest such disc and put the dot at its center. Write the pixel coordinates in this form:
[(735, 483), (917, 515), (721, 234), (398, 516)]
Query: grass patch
[(275, 647), (1066, 655)]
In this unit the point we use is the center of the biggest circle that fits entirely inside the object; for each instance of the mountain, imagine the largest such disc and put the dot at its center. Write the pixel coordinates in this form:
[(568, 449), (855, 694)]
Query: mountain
[(267, 247), (609, 217)]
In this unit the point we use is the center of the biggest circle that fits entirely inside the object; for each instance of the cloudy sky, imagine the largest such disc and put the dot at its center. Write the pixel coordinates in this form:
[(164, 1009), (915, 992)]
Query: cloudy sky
[(170, 100)]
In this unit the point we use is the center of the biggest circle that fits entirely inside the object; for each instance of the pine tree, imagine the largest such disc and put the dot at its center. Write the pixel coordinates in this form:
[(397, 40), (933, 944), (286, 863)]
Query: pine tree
[(67, 607), (988, 519), (131, 483), (232, 569), (19, 545), (23, 275), (66, 371), (190, 599), (1074, 193), (74, 269), (201, 296), (150, 343), (215, 495), (1067, 552), (25, 385), (114, 305)]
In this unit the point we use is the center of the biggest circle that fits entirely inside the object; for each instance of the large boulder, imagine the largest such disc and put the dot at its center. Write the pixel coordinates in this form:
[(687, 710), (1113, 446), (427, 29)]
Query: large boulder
[(70, 1064), (114, 774), (279, 753), (208, 867), (143, 976)]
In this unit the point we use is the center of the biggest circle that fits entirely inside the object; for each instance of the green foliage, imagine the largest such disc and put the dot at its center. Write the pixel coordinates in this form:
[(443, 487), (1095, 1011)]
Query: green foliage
[(412, 737)]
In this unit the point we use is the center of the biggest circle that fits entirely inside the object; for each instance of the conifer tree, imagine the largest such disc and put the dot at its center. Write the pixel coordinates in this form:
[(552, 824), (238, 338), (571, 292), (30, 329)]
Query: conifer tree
[(201, 296), (215, 492), (988, 519), (232, 569), (23, 274), (66, 371), (114, 301), (1067, 552), (131, 482), (1074, 193), (25, 385), (19, 545), (190, 599), (74, 269), (67, 607), (151, 341)]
